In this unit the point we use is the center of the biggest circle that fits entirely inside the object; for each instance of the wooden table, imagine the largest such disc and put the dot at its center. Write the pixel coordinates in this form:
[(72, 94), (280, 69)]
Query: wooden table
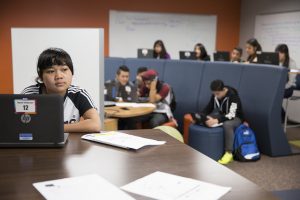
[(125, 112), (20, 168), (110, 124)]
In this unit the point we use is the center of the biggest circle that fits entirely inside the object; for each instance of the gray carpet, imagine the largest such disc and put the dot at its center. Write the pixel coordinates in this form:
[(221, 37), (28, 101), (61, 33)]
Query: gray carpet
[(273, 173), (287, 194)]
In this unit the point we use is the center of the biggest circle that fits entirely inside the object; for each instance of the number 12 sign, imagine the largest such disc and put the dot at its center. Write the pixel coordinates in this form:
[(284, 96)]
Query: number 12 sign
[(25, 106)]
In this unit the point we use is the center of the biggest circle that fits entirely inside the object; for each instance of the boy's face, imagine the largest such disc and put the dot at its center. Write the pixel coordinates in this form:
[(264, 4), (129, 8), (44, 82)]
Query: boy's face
[(219, 94), (57, 79), (139, 76), (123, 77), (147, 84), (235, 55)]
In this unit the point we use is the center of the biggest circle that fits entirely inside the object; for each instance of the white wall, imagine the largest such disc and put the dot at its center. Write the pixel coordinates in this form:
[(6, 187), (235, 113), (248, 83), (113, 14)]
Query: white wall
[(274, 29), (84, 45), (129, 31), (249, 10)]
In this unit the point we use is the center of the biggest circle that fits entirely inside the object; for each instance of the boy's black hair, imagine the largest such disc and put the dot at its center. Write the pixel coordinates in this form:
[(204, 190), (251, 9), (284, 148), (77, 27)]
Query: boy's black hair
[(217, 85), (123, 68), (51, 57), (239, 49), (141, 70)]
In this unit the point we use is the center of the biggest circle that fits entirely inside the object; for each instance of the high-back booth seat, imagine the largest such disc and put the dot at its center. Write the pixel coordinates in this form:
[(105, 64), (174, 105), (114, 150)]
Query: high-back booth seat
[(260, 88)]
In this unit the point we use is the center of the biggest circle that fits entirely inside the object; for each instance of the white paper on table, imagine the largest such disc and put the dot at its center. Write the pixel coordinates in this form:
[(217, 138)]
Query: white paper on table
[(294, 70), (122, 140), (144, 105), (90, 187), (135, 105), (160, 185)]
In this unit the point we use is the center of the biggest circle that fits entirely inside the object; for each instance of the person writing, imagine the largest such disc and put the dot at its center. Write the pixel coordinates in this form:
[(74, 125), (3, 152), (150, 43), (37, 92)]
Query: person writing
[(224, 108)]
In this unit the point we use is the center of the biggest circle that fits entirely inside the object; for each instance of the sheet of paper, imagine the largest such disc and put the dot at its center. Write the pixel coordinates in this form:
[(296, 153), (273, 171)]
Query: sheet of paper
[(144, 105), (120, 139), (217, 125), (160, 185), (90, 187), (135, 105)]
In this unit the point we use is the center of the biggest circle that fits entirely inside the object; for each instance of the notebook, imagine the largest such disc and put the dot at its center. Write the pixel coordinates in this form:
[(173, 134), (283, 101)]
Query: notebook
[(121, 140)]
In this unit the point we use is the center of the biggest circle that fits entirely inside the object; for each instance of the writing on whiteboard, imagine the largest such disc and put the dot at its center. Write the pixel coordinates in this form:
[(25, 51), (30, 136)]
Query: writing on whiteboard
[(129, 31), (274, 29)]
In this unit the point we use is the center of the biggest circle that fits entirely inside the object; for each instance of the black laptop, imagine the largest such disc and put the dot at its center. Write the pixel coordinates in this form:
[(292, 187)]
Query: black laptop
[(32, 121), (269, 58), (187, 55), (145, 53), (222, 56), (128, 94)]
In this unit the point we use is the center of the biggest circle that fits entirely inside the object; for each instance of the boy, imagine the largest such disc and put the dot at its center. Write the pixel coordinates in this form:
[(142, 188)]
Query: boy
[(236, 55), (224, 107), (160, 94), (55, 73), (138, 80), (121, 89)]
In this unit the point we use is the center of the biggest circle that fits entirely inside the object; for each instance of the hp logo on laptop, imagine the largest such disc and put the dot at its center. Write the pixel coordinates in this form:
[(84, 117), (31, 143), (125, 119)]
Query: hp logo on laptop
[(25, 118), (187, 54), (145, 52)]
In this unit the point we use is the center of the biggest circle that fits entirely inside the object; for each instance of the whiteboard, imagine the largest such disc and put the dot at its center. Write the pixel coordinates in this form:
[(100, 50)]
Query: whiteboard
[(84, 45), (273, 29), (129, 31)]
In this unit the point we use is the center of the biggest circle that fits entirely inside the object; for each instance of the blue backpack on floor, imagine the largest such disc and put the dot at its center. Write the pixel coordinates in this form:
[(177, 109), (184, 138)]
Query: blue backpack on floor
[(244, 145)]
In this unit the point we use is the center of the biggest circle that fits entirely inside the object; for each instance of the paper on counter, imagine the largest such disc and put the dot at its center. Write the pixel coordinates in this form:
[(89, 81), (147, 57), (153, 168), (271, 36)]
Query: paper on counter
[(135, 105), (90, 187), (122, 140), (217, 125), (164, 186)]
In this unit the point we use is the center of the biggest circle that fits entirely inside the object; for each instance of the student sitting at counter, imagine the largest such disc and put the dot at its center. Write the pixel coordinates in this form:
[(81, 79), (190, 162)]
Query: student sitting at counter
[(121, 89)]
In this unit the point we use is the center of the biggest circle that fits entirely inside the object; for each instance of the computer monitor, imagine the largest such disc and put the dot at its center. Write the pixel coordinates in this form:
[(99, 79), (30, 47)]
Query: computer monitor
[(222, 56), (269, 58), (187, 55), (145, 53)]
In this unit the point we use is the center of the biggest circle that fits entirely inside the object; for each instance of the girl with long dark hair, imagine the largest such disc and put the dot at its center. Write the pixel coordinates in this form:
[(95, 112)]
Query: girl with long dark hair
[(160, 51), (201, 53), (252, 47)]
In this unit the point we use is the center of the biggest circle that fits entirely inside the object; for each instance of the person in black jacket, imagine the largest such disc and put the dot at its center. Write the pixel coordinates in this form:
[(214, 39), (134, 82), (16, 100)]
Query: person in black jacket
[(121, 89), (224, 108)]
